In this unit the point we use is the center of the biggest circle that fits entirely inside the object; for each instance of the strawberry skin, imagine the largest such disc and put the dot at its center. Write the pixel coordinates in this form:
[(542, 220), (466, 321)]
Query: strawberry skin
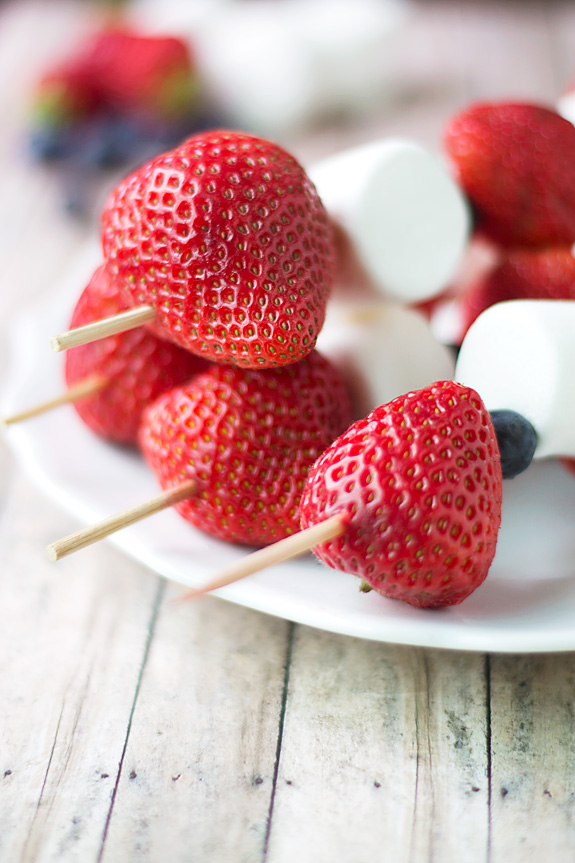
[(138, 365), (227, 238), (515, 163), (419, 483), (249, 438), (525, 274)]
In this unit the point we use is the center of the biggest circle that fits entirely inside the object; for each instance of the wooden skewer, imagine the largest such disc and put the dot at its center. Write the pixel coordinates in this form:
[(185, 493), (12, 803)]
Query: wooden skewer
[(86, 387), (106, 327), (96, 532), (285, 549)]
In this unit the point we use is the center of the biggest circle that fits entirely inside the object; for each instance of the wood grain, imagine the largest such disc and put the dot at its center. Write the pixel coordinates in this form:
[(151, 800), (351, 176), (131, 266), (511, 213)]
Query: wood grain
[(199, 766), (390, 760), (533, 758)]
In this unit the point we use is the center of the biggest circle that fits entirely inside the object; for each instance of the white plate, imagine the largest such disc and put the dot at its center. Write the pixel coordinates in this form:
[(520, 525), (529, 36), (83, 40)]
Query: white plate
[(527, 603)]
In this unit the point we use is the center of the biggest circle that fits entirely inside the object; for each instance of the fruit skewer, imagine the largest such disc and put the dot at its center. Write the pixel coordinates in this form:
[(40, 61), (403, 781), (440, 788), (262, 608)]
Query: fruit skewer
[(410, 498), (520, 355), (123, 322), (112, 381), (247, 440), (83, 538), (422, 474)]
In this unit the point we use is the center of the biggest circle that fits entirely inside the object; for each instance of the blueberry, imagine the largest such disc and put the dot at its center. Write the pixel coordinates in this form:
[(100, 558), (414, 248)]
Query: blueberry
[(49, 144), (517, 440)]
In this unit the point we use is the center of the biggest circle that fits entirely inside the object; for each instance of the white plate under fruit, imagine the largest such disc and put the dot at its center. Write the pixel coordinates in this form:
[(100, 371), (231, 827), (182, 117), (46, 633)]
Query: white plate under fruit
[(527, 603)]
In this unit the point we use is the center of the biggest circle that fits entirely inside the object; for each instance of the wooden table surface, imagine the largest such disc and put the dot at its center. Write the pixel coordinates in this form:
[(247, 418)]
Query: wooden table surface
[(131, 730)]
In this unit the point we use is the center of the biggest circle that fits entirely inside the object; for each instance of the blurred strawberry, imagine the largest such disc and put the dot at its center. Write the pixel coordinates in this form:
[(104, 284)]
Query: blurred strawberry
[(515, 163), (530, 274), (149, 75)]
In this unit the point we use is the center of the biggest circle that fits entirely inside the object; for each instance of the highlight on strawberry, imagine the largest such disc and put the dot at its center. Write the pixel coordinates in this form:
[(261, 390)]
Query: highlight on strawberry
[(224, 247)]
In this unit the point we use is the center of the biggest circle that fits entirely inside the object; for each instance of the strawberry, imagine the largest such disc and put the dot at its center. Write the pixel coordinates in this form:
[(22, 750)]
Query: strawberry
[(531, 274), (419, 483), (151, 75), (227, 238), (64, 95), (515, 163), (120, 69), (138, 365), (249, 438)]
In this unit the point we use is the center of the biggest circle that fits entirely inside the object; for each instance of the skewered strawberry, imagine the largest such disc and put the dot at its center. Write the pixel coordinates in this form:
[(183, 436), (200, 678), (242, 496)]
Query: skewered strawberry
[(136, 366), (111, 381), (226, 246), (419, 484), (248, 438), (515, 163)]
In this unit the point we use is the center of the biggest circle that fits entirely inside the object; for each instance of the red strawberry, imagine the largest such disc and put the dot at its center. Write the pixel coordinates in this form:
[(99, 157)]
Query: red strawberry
[(515, 162), (249, 438), (138, 365), (419, 482), (120, 69), (227, 238), (530, 274), (64, 94), (147, 74)]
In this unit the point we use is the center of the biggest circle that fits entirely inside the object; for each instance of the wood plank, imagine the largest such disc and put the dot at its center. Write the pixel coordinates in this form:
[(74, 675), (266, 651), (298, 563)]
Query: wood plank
[(72, 642), (199, 766), (383, 755), (533, 758)]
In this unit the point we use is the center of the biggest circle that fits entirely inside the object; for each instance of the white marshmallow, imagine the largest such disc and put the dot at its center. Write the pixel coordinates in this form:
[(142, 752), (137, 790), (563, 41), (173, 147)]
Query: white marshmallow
[(566, 106), (407, 219), (520, 355), (382, 351)]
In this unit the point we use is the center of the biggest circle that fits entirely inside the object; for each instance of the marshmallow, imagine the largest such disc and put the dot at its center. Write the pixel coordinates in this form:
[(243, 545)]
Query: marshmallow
[(382, 351), (520, 355), (566, 106), (407, 219)]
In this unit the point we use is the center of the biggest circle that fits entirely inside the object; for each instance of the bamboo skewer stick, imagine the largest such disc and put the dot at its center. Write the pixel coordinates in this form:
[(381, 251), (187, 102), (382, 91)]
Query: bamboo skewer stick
[(88, 536), (285, 549), (86, 387), (106, 327)]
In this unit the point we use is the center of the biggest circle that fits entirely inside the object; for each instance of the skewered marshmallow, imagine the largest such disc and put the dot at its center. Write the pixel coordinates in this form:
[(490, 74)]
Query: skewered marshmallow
[(407, 220), (520, 355)]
